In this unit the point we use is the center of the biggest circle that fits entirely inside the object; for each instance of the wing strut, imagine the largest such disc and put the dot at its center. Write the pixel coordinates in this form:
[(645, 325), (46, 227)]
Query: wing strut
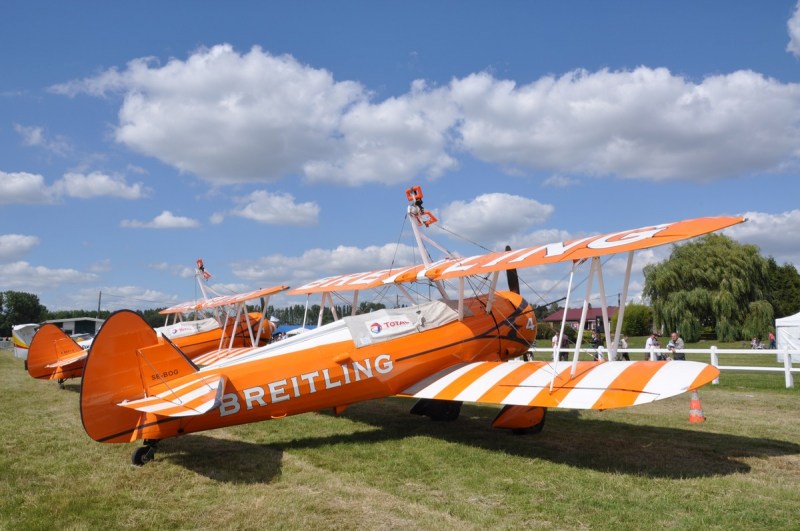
[(492, 288), (623, 303), (604, 305), (579, 339), (557, 347)]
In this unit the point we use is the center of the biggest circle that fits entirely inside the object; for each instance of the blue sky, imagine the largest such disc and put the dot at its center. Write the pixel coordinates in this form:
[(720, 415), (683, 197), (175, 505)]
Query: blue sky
[(275, 140)]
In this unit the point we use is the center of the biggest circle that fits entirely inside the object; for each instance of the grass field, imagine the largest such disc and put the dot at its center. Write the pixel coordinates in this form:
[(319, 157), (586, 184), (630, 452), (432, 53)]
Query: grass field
[(377, 467)]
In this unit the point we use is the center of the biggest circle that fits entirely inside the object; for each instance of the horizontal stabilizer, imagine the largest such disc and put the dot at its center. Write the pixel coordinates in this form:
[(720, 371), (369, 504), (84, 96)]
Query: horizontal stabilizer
[(181, 398), (219, 355), (67, 361), (595, 385)]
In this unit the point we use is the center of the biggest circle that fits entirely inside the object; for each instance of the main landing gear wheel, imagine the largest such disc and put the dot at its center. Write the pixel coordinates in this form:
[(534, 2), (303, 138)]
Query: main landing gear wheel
[(61, 383), (145, 454)]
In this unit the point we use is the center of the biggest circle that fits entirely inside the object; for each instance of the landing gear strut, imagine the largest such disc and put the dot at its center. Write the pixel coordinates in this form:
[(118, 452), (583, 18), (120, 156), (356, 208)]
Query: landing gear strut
[(145, 454)]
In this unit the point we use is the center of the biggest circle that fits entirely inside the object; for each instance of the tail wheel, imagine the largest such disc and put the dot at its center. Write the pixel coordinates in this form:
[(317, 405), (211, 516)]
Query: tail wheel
[(145, 454)]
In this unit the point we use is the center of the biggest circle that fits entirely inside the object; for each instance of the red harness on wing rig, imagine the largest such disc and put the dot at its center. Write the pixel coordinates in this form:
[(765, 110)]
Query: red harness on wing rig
[(414, 195)]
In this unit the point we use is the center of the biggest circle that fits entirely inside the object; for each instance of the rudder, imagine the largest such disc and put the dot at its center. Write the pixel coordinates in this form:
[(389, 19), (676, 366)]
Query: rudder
[(49, 345), (125, 360)]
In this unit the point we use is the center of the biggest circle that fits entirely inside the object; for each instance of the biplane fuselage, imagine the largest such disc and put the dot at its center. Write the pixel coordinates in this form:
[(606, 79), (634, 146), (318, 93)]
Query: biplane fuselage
[(320, 369)]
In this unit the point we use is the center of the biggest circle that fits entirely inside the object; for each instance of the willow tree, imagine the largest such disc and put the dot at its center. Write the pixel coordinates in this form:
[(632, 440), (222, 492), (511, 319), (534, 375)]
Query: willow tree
[(784, 288), (713, 282)]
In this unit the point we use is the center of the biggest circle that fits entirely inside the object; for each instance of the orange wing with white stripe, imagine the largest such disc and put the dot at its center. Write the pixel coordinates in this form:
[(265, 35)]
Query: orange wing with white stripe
[(222, 300), (592, 246), (595, 385)]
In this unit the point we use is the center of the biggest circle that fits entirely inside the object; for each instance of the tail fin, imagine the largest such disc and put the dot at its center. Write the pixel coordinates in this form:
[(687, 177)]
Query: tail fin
[(22, 335), (54, 355), (126, 360)]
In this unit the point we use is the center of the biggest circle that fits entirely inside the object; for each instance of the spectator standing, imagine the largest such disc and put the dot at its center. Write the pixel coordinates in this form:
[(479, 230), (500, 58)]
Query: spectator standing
[(564, 355), (650, 344), (675, 347), (623, 345)]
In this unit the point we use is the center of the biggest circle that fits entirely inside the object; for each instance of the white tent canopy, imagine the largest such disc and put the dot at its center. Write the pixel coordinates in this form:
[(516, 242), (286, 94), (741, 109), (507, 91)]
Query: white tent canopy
[(787, 335)]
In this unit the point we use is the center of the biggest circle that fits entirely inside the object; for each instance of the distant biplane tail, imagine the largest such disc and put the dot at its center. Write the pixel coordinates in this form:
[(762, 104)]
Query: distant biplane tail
[(53, 355), (126, 377)]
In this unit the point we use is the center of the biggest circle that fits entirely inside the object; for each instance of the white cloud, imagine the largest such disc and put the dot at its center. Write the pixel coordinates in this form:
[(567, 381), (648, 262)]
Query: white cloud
[(23, 276), (559, 181), (276, 209), (391, 141), (122, 297), (23, 188), (179, 270), (227, 117), (774, 234), (494, 218), (231, 117), (646, 123), (12, 246), (165, 220), (34, 136), (315, 264), (97, 184), (102, 266), (29, 188), (794, 32)]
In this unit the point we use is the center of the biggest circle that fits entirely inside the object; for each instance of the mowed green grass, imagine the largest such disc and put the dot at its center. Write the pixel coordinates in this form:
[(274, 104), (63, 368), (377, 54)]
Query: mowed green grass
[(377, 467)]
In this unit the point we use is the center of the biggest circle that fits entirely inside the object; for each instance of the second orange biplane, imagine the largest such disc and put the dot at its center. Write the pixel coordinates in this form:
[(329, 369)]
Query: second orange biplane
[(441, 352), (53, 355)]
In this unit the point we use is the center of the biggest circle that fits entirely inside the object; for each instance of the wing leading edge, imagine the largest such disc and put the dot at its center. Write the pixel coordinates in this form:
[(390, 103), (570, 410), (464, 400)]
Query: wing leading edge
[(595, 385), (580, 249)]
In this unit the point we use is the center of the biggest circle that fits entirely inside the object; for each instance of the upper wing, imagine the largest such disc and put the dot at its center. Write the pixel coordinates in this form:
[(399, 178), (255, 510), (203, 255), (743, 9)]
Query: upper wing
[(590, 247), (595, 385), (355, 281), (222, 300), (605, 244)]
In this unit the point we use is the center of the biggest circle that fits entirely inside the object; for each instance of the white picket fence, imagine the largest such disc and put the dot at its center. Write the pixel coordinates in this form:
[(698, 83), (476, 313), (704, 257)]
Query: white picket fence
[(713, 353)]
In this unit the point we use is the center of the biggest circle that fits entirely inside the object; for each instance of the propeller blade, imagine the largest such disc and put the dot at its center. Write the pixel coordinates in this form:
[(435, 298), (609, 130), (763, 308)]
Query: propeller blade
[(512, 277)]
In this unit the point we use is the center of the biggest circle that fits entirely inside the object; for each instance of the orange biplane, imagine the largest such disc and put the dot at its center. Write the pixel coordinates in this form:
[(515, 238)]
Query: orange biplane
[(441, 352), (53, 355)]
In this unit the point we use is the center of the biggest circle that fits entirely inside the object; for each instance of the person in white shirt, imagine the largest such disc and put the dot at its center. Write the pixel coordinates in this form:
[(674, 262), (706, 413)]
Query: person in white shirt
[(623, 344), (650, 344)]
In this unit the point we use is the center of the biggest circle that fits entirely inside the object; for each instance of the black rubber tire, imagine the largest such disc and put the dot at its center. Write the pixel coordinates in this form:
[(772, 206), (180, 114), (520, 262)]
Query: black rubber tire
[(141, 456)]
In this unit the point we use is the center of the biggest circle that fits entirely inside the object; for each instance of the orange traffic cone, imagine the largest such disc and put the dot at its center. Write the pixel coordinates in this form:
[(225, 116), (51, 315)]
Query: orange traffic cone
[(696, 409)]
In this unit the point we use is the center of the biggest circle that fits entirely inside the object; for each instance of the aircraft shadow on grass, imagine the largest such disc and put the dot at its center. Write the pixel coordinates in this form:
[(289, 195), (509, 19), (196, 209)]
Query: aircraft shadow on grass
[(74, 387), (599, 445)]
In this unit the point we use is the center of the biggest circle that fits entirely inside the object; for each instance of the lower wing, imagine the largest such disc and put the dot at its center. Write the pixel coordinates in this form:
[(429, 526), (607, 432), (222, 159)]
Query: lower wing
[(594, 385)]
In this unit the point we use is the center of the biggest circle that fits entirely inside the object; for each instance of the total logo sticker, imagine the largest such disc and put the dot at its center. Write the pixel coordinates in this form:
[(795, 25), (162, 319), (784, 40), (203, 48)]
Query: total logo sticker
[(390, 326)]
